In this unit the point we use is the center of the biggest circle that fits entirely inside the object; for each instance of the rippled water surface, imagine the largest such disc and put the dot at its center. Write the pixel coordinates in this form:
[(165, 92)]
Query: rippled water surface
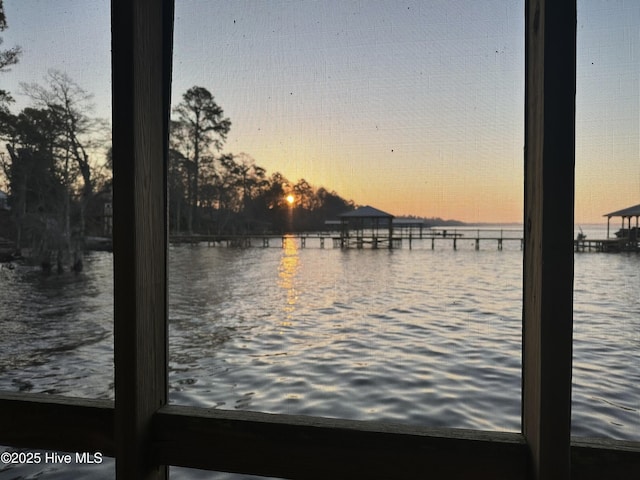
[(421, 336), (363, 334)]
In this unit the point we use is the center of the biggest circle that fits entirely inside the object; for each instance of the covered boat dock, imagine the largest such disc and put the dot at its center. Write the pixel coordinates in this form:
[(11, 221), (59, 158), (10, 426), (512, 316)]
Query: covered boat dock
[(626, 239), (628, 236), (366, 225), (626, 229)]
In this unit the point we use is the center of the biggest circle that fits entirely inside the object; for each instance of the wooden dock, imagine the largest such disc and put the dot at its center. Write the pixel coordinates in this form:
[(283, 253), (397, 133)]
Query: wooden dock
[(400, 239), (607, 245)]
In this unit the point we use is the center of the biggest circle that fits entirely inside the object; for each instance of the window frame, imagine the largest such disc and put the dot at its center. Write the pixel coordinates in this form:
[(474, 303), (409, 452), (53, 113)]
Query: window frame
[(145, 434)]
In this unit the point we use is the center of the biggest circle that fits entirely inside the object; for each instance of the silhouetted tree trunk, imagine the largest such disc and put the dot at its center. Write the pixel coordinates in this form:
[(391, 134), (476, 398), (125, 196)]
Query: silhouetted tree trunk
[(20, 197), (203, 121), (68, 103)]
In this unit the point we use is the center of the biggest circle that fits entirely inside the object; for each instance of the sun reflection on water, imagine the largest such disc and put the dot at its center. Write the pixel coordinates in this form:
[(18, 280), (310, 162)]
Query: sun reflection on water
[(287, 273)]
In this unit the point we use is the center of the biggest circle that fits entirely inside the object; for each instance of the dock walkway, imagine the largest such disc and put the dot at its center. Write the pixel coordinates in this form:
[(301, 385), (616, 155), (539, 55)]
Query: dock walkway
[(399, 239), (608, 245)]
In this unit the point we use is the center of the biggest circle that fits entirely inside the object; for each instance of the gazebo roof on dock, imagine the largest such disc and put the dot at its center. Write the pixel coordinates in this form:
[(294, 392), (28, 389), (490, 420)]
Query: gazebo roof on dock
[(625, 212), (365, 212)]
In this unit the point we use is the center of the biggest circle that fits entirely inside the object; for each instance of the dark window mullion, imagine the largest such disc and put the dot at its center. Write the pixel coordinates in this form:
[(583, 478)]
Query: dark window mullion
[(550, 79), (141, 73)]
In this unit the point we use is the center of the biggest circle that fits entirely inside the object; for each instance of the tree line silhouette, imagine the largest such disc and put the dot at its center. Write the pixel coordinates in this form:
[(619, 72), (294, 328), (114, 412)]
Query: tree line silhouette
[(227, 193), (57, 191), (57, 166)]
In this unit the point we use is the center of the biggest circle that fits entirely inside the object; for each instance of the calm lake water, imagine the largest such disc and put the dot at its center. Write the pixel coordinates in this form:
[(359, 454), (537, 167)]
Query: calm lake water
[(420, 336)]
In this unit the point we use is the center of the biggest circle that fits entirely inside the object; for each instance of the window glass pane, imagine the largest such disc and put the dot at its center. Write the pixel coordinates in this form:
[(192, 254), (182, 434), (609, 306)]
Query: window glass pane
[(413, 109), (56, 292), (606, 368)]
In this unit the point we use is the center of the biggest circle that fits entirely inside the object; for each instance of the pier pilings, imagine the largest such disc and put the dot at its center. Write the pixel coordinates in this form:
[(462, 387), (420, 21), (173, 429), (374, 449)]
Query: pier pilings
[(376, 240)]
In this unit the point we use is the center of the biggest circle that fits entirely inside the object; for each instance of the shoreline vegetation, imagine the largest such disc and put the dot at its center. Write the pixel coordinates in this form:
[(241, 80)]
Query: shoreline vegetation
[(57, 166)]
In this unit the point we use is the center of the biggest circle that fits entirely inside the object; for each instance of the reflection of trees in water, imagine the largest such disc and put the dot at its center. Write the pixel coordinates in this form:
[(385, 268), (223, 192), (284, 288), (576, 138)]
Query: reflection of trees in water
[(49, 322)]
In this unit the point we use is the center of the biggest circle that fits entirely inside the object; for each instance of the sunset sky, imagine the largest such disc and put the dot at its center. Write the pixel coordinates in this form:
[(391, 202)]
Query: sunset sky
[(414, 107)]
